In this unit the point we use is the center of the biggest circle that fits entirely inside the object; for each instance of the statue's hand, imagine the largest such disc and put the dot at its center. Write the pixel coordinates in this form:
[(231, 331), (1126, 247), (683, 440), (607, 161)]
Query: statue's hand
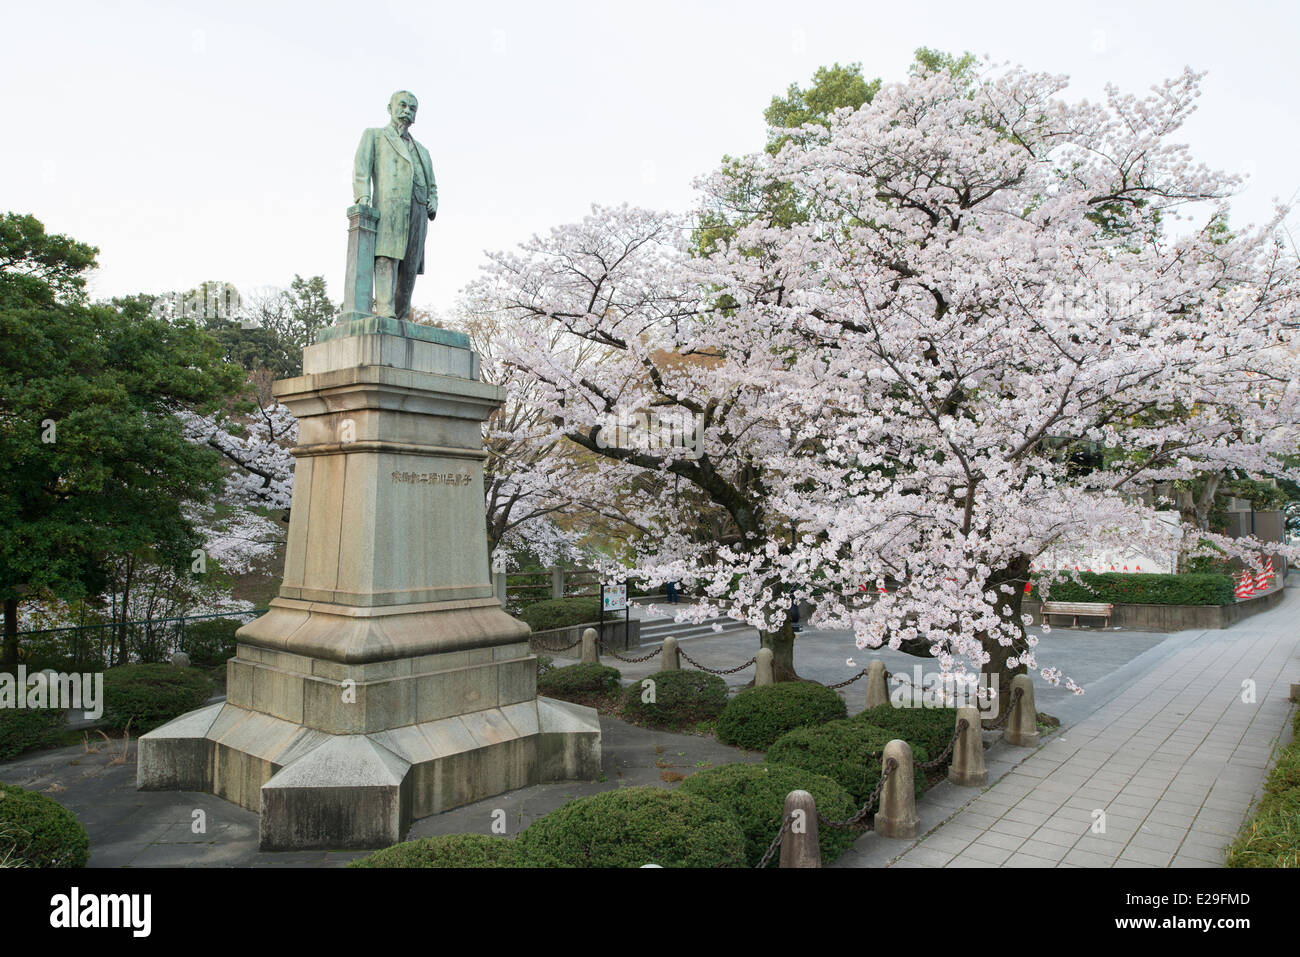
[(432, 213)]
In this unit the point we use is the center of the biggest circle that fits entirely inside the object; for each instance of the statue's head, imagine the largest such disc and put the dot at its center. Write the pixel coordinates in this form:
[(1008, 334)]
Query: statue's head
[(402, 106)]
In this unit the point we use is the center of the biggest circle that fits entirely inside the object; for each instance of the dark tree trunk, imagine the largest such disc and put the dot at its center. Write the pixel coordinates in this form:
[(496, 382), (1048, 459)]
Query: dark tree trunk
[(782, 644), (9, 656), (999, 674)]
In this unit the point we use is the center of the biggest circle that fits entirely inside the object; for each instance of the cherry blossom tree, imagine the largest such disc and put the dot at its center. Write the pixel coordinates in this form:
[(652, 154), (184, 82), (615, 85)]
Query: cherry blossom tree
[(1003, 317)]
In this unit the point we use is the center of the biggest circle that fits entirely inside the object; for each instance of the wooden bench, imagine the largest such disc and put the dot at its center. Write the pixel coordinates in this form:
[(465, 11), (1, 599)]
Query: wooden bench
[(1089, 609)]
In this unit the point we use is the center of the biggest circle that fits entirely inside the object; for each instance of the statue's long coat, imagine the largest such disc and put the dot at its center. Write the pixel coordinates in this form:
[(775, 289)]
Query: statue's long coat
[(384, 159)]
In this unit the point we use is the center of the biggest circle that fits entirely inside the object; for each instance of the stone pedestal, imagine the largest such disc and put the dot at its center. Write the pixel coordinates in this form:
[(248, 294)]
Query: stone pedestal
[(386, 682)]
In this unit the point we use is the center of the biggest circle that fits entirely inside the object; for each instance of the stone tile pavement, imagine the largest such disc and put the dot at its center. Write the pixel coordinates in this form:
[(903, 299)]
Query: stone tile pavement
[(1162, 774)]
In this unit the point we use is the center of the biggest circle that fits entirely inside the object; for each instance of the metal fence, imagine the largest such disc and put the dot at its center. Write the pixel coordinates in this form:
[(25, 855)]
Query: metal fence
[(81, 647)]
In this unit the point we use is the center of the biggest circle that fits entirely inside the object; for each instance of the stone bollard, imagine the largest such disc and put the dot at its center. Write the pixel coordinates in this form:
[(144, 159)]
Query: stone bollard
[(1295, 692), (799, 847), (897, 814), (877, 686), (763, 667), (1022, 726), (967, 768), (181, 659), (669, 660), (590, 647)]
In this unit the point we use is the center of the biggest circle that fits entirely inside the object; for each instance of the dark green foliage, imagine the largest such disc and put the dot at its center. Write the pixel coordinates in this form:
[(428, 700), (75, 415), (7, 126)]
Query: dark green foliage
[(681, 699), (755, 795), (1145, 589), (37, 831), (561, 613), (26, 729), (94, 463), (151, 695), (833, 87), (632, 827), (758, 716), (847, 752), (928, 728), (210, 642), (578, 681), (448, 850)]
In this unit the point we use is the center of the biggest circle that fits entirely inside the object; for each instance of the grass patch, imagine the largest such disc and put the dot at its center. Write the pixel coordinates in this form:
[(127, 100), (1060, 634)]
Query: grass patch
[(1272, 837)]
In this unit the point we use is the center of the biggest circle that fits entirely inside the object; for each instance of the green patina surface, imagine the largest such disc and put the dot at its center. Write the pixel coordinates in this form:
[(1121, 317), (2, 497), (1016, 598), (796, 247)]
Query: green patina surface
[(369, 325)]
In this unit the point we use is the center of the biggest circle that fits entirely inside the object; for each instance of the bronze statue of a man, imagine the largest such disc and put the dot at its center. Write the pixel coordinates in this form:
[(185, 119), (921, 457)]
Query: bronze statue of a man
[(406, 198)]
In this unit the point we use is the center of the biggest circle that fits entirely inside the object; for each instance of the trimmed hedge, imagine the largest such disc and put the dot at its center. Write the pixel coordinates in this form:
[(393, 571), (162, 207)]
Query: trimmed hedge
[(37, 831), (579, 682), (848, 752), (631, 827), (681, 699), (1144, 589), (448, 850), (560, 613), (26, 729), (928, 728), (211, 642), (1272, 837), (150, 695), (755, 795), (756, 717)]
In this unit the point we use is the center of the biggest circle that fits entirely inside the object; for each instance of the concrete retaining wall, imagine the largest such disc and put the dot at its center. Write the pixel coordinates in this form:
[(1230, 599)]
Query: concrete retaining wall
[(1162, 618), (614, 636)]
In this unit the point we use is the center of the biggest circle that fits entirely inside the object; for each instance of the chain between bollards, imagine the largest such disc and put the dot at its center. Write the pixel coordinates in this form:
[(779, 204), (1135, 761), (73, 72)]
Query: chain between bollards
[(715, 671), (605, 650), (933, 763)]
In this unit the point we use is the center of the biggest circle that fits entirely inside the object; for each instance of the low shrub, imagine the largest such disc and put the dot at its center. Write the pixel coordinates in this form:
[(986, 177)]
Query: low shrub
[(758, 716), (27, 729), (848, 752), (680, 699), (1272, 837), (210, 642), (582, 683), (561, 613), (1143, 589), (632, 827), (755, 795), (150, 695), (448, 850), (37, 831), (929, 728)]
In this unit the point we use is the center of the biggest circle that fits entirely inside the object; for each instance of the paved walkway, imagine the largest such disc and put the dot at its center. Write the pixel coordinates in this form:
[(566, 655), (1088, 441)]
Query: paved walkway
[(1149, 744), (1161, 774)]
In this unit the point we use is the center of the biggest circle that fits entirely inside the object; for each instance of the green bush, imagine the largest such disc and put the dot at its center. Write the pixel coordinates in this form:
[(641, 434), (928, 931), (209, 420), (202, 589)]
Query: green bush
[(632, 827), (929, 728), (758, 716), (848, 752), (1144, 589), (561, 613), (210, 642), (1272, 837), (150, 695), (755, 795), (37, 831), (681, 699), (579, 682), (26, 729), (448, 850)]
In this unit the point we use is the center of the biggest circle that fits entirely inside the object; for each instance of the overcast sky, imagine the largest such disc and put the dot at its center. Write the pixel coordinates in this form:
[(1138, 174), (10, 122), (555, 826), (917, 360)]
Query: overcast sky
[(196, 141)]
